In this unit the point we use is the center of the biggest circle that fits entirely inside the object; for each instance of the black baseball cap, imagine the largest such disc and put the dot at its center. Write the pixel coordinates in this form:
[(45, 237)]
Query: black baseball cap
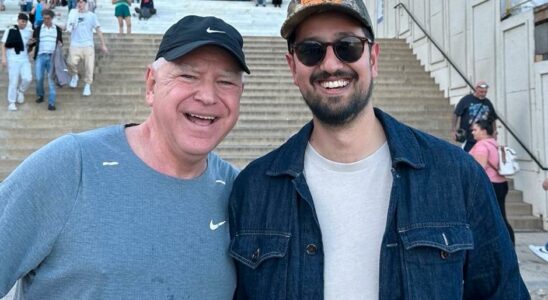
[(192, 32)]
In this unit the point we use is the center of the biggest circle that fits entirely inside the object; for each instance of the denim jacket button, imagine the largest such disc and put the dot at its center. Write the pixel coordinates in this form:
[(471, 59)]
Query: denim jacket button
[(311, 249), (255, 255), (444, 254)]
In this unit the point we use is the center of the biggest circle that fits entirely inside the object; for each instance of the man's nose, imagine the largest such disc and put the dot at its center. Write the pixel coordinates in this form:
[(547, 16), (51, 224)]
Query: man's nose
[(330, 62), (206, 93)]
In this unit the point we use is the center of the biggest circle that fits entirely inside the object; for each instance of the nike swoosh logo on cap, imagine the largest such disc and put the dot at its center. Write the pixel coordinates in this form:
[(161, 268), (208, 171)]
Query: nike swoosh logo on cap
[(214, 226), (209, 30)]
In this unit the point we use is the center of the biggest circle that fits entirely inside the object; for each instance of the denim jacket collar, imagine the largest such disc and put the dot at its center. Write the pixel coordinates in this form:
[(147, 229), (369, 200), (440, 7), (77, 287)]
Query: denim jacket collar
[(403, 145)]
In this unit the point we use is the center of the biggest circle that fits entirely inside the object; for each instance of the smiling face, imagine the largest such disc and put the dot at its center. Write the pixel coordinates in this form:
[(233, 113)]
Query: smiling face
[(195, 100), (336, 91)]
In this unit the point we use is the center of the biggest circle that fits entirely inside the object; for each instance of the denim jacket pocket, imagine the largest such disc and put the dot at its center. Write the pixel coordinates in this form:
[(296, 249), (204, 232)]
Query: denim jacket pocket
[(436, 243), (251, 248), (434, 256)]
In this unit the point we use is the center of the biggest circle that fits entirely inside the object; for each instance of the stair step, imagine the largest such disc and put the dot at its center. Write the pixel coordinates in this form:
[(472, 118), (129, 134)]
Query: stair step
[(525, 223)]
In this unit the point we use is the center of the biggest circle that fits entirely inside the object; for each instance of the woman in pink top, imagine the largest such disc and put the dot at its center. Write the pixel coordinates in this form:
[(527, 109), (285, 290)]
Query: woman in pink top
[(485, 151)]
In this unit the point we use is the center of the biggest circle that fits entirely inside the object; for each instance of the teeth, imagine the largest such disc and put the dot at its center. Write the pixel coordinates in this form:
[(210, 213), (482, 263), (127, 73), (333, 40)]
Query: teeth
[(334, 84), (202, 117)]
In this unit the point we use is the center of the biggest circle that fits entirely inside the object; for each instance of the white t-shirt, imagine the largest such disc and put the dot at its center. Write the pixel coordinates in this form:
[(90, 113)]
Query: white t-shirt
[(81, 26), (26, 34), (351, 202)]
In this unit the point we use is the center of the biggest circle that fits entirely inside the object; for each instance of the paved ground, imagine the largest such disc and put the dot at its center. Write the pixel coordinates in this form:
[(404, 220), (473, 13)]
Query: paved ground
[(533, 269)]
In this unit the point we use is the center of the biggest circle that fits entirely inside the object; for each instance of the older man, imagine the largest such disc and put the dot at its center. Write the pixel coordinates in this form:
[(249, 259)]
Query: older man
[(135, 211), (45, 39), (358, 205), (470, 109)]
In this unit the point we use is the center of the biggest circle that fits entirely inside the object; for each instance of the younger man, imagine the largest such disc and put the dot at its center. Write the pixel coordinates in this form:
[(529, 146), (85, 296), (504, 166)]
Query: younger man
[(357, 205), (15, 57), (81, 24)]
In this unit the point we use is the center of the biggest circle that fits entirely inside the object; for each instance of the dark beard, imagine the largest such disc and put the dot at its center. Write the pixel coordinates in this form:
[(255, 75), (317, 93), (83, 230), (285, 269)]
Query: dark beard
[(340, 116)]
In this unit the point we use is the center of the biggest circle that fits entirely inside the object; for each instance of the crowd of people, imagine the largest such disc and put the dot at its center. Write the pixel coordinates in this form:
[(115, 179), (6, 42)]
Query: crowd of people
[(44, 40), (35, 27), (356, 205)]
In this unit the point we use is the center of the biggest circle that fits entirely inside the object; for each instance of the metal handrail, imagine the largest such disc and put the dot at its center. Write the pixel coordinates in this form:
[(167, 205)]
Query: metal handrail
[(470, 84)]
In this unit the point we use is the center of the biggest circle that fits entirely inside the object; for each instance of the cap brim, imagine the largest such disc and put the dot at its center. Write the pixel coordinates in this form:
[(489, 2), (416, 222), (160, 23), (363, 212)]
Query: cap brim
[(289, 25), (177, 52)]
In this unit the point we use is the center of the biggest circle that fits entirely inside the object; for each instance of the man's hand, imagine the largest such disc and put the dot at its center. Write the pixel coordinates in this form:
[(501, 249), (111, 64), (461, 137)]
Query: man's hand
[(545, 184), (104, 49)]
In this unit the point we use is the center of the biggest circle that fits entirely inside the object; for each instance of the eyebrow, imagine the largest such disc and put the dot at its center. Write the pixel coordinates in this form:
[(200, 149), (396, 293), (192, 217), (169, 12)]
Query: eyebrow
[(188, 67)]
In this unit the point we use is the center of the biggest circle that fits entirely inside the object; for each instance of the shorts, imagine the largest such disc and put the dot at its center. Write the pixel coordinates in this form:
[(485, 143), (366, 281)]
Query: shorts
[(122, 11)]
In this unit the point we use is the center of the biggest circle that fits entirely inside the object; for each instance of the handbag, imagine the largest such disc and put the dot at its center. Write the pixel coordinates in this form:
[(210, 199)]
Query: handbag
[(507, 161)]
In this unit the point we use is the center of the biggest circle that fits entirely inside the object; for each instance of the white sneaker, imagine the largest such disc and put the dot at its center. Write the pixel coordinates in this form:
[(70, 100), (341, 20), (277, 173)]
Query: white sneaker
[(20, 97), (12, 107), (87, 90), (74, 81)]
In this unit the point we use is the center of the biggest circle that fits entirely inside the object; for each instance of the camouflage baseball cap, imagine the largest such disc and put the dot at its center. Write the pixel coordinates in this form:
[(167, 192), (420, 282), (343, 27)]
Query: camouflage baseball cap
[(299, 10)]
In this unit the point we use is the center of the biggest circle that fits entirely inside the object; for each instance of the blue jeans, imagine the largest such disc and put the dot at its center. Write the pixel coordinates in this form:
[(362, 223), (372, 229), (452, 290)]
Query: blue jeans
[(27, 7), (43, 65), (71, 4)]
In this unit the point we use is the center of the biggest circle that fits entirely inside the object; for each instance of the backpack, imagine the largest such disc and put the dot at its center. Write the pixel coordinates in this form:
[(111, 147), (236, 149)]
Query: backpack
[(145, 13), (507, 161)]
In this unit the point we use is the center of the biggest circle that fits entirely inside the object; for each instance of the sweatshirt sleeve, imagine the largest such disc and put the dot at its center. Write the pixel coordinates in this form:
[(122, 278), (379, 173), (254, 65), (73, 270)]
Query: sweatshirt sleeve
[(35, 203)]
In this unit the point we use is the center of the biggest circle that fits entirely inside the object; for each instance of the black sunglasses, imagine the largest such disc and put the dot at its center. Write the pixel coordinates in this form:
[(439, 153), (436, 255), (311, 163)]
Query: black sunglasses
[(347, 49)]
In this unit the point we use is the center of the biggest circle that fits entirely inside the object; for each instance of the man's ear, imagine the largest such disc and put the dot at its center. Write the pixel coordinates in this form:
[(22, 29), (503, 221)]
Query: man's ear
[(374, 58), (291, 63), (150, 83)]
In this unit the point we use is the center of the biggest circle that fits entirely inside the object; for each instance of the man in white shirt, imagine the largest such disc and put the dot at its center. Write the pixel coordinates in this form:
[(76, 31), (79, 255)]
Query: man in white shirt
[(81, 24), (15, 57)]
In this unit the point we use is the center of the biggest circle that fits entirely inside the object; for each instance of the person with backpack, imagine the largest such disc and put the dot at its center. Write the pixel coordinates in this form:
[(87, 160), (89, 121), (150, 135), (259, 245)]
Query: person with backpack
[(16, 58), (485, 152), (146, 9)]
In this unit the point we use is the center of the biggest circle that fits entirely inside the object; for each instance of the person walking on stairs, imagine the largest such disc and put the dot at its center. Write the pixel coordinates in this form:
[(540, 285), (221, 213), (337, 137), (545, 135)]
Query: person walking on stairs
[(16, 58), (81, 23), (45, 37)]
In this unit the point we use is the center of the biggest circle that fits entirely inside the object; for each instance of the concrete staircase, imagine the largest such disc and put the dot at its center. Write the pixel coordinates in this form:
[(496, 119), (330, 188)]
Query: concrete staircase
[(271, 108)]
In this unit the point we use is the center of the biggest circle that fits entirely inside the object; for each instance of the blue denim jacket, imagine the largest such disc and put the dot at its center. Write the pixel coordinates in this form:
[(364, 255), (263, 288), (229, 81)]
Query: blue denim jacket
[(444, 237)]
